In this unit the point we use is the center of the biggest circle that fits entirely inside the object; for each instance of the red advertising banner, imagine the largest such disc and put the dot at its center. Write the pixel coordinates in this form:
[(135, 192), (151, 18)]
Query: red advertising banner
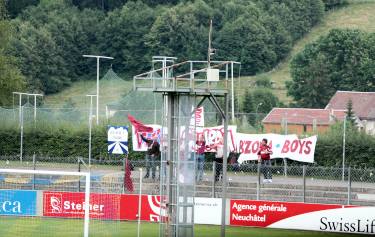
[(72, 204), (264, 213), (150, 209)]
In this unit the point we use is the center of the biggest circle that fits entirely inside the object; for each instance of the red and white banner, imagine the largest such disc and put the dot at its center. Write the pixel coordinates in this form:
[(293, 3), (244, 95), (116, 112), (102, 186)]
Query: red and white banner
[(138, 143), (198, 117), (206, 210), (283, 146), (213, 135), (72, 204), (303, 216), (150, 210)]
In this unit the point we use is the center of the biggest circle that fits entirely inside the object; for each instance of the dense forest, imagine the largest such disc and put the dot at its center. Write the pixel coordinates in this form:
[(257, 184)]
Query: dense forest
[(47, 38)]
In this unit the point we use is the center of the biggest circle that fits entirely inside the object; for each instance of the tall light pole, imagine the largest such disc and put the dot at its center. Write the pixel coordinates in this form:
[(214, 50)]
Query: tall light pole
[(90, 128), (232, 90), (98, 57), (256, 114), (211, 51), (343, 150)]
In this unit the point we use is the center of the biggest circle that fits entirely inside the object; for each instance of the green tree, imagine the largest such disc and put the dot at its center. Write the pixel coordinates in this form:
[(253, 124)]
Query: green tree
[(246, 40), (11, 78), (182, 31), (350, 115), (297, 16), (40, 61), (257, 102), (248, 102), (263, 81), (50, 41), (110, 5), (330, 4), (309, 87), (15, 7), (341, 60), (74, 32), (122, 36)]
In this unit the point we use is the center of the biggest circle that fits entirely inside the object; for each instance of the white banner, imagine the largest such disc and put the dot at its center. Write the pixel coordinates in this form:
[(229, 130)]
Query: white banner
[(207, 211), (138, 143), (356, 220), (283, 146)]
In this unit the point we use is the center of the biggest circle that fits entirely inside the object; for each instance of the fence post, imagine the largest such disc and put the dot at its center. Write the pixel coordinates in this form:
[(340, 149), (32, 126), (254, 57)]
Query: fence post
[(213, 180), (79, 170), (124, 165), (349, 185), (285, 167), (304, 183), (258, 181), (34, 168)]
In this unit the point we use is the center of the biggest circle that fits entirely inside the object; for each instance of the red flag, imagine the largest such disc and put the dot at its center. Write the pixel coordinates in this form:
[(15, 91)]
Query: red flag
[(128, 182), (140, 127)]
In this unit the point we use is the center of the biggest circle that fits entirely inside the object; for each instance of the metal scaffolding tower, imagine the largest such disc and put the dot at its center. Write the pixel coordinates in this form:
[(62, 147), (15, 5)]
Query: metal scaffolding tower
[(185, 86)]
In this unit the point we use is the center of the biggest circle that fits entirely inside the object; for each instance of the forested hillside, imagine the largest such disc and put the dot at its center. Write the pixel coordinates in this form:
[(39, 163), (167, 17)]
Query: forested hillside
[(48, 38), (356, 15)]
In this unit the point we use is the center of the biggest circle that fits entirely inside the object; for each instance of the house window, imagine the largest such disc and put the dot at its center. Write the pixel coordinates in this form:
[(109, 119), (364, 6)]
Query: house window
[(304, 128)]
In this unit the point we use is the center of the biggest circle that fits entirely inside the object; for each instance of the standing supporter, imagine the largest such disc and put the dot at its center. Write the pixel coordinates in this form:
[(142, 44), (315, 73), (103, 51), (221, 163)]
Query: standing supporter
[(264, 156), (152, 155), (201, 146)]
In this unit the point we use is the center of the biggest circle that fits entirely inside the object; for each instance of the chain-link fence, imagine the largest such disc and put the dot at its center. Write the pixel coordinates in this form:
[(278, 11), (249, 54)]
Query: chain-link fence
[(44, 117), (308, 184)]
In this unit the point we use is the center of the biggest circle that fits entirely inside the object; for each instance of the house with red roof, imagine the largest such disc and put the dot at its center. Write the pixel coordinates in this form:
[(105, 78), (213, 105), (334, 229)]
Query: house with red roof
[(301, 120), (304, 120), (363, 107)]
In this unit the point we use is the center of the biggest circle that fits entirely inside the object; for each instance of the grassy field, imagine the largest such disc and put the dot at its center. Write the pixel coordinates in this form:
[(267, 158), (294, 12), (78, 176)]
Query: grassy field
[(110, 91), (35, 227)]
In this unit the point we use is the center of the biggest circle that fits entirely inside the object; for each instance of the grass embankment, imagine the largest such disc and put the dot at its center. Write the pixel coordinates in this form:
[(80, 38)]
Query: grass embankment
[(356, 15)]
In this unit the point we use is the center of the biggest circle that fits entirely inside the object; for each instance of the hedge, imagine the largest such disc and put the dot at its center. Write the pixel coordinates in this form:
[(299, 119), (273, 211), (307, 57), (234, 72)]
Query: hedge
[(360, 147)]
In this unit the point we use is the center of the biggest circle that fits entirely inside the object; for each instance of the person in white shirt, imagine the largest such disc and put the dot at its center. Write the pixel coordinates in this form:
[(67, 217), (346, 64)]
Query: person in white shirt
[(219, 146)]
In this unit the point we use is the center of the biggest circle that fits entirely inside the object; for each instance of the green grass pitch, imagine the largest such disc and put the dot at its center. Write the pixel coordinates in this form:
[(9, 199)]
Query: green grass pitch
[(54, 227)]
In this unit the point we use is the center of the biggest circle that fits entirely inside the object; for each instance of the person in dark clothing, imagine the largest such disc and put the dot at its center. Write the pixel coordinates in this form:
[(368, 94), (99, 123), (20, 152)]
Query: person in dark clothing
[(233, 161), (264, 156), (201, 146), (152, 155)]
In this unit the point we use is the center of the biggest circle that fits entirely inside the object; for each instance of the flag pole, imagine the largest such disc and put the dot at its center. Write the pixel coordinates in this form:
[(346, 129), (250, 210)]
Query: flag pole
[(139, 202), (124, 164)]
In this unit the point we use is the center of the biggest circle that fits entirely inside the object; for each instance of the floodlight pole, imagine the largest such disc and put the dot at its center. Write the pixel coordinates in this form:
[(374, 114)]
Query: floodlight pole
[(232, 90), (98, 57), (90, 128), (343, 149), (210, 50), (21, 135), (225, 165), (35, 95)]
